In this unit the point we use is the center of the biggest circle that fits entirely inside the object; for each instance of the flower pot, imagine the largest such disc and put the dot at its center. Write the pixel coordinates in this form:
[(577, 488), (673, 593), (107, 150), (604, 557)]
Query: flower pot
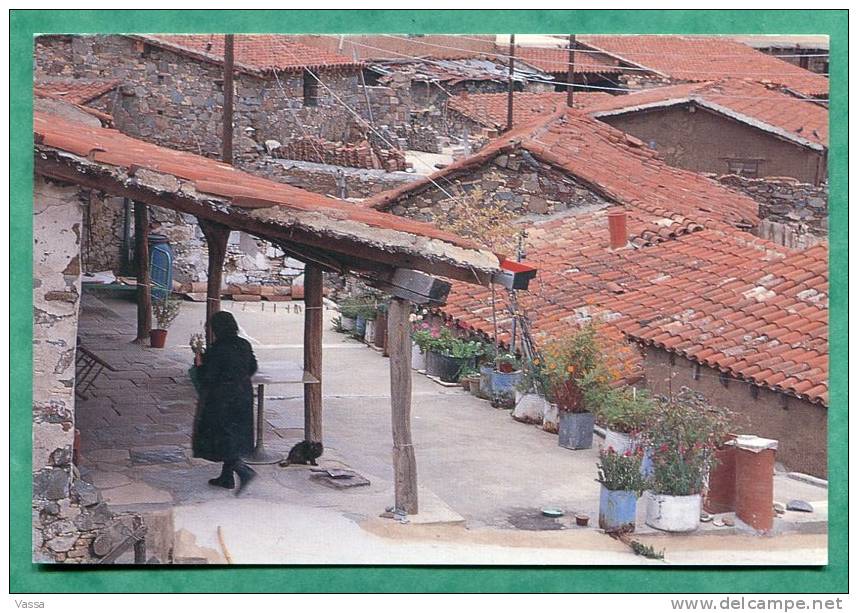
[(476, 382), (433, 364), (157, 338), (347, 324), (503, 387), (617, 510), (369, 331), (721, 493), (529, 409), (576, 430), (551, 418), (618, 441), (673, 513), (360, 326), (450, 367), (418, 358), (486, 371)]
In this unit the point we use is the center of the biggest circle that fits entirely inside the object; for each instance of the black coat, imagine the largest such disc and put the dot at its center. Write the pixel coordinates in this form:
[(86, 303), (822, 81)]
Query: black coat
[(223, 428)]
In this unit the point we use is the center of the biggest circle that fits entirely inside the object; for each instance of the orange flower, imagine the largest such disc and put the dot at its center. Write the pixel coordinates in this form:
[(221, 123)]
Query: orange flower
[(570, 369)]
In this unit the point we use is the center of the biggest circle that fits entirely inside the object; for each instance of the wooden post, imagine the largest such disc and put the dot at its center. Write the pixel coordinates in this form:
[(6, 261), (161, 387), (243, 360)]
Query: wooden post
[(570, 72), (404, 462), (217, 236), (313, 352), (511, 81), (141, 261), (228, 91)]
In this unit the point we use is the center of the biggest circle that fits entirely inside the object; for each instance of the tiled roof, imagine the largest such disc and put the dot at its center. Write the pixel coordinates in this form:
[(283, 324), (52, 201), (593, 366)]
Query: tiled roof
[(556, 61), (253, 52), (722, 297), (490, 110), (612, 163), (764, 108), (707, 58), (76, 91), (263, 200), (400, 46)]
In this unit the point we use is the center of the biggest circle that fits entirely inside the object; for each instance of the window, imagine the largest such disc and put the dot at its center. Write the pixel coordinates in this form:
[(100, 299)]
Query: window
[(311, 90), (744, 167)]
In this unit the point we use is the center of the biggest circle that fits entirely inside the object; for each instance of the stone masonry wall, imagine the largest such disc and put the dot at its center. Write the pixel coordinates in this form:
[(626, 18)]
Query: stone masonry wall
[(67, 512), (516, 181), (792, 213)]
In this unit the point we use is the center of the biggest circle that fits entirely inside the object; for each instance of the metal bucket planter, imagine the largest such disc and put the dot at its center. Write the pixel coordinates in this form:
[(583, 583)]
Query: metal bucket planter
[(618, 441), (418, 358), (486, 371), (503, 387), (347, 324), (433, 364), (529, 409), (369, 332), (673, 513), (617, 510), (551, 418), (476, 382), (576, 430), (360, 326)]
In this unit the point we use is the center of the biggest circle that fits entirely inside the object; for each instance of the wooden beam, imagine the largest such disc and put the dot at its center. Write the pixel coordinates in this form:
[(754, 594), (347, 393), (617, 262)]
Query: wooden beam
[(141, 262), (570, 73), (217, 236), (228, 92), (313, 312), (511, 82), (404, 461), (351, 253)]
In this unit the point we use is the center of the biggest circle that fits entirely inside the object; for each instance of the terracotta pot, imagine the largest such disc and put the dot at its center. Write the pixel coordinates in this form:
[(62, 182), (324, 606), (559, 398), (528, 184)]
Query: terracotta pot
[(157, 338)]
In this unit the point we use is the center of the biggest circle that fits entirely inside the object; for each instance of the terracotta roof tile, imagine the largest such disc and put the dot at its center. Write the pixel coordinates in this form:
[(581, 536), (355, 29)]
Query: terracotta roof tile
[(76, 91), (395, 46), (490, 110), (253, 52), (744, 100), (707, 58), (556, 61)]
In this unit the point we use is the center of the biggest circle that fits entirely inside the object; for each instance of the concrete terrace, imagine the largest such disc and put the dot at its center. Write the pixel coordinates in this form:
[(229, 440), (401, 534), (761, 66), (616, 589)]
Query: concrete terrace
[(483, 477)]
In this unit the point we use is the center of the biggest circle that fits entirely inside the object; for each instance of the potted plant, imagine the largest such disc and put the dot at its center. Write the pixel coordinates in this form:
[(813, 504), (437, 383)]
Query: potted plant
[(486, 367), (624, 413), (505, 378), (379, 338), (621, 484), (683, 440), (165, 312), (449, 355), (369, 313), (349, 310), (421, 336), (467, 375)]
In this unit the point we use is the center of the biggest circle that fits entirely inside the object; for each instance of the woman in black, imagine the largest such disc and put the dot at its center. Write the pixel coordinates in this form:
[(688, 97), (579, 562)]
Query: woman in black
[(223, 430)]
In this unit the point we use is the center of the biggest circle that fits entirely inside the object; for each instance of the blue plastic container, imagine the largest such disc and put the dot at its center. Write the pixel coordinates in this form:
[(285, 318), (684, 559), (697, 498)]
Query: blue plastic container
[(617, 510), (360, 326), (160, 266)]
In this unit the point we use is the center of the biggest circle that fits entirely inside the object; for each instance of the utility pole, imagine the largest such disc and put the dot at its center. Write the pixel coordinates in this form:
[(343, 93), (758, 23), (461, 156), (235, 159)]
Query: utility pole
[(228, 67), (511, 82), (570, 72)]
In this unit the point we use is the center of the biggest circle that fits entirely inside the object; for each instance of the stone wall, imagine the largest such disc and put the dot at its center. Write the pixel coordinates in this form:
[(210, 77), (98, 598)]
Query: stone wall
[(363, 154), (516, 181), (328, 180), (68, 513), (792, 213)]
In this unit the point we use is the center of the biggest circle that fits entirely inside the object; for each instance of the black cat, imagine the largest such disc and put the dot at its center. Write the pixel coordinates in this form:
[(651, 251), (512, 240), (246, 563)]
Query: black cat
[(304, 452)]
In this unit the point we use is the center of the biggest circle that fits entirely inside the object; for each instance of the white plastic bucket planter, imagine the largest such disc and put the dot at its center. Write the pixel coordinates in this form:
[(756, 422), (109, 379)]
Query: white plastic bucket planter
[(529, 409), (673, 513), (551, 418), (347, 324), (418, 358), (369, 332)]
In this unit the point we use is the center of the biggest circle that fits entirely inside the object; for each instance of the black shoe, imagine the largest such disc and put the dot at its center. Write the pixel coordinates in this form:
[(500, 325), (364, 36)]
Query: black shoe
[(226, 483), (245, 476)]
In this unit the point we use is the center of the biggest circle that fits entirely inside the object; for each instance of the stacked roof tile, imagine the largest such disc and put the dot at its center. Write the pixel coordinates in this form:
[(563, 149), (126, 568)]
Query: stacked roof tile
[(400, 46), (752, 103), (254, 52), (706, 58), (490, 110), (556, 61)]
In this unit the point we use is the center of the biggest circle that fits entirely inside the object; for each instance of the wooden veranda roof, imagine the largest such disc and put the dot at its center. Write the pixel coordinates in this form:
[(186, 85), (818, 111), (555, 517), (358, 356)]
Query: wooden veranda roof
[(335, 234)]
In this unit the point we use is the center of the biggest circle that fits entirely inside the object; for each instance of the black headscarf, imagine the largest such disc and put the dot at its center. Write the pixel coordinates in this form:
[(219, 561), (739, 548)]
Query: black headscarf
[(223, 325)]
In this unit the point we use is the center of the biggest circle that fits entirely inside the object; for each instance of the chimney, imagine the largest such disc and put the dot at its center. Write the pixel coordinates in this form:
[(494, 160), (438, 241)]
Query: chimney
[(617, 228)]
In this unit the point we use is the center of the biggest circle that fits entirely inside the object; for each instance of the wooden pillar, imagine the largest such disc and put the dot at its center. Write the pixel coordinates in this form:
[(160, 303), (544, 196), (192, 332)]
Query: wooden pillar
[(404, 461), (141, 262), (228, 92), (313, 313), (570, 73), (217, 236), (511, 81)]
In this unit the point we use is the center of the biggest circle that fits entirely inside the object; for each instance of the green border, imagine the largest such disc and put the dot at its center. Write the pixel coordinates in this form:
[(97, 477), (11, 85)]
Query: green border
[(27, 577)]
